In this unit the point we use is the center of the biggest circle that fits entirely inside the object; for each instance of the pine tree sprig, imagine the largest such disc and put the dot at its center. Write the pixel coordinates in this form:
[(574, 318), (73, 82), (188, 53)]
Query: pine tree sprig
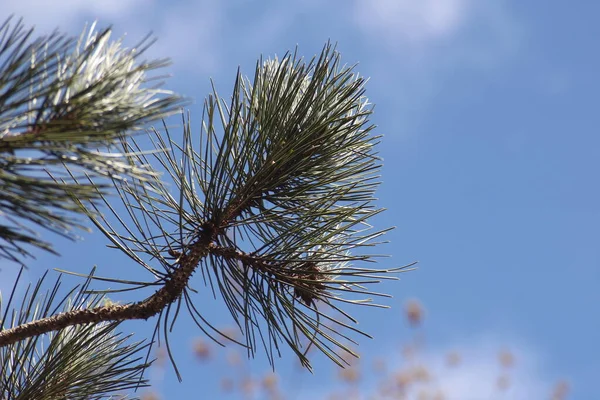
[(89, 361), (66, 103), (268, 206)]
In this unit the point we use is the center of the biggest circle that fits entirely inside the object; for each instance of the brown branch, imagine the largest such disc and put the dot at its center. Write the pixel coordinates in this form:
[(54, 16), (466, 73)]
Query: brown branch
[(174, 286), (257, 263), (306, 280), (171, 291)]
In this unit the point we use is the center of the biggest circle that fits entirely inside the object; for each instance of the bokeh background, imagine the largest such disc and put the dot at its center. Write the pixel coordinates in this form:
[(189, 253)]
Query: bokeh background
[(488, 111)]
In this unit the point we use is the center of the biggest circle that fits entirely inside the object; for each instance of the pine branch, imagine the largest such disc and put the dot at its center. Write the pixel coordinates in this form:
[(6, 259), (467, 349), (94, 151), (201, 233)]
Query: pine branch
[(170, 292), (66, 102), (271, 207), (88, 361)]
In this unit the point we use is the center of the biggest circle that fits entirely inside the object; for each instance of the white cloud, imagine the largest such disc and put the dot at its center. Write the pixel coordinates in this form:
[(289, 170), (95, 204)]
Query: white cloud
[(417, 46), (439, 34), (186, 32), (476, 376), (411, 21), (427, 374), (430, 36), (47, 15), (189, 35)]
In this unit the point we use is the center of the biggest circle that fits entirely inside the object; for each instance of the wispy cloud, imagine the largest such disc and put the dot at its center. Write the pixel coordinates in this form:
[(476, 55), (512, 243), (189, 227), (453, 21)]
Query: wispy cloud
[(480, 374), (436, 26), (476, 371), (189, 34), (186, 32), (418, 46), (47, 15), (413, 22)]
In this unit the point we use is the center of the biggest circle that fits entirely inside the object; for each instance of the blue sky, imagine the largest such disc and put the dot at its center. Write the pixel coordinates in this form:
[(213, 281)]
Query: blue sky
[(490, 165)]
